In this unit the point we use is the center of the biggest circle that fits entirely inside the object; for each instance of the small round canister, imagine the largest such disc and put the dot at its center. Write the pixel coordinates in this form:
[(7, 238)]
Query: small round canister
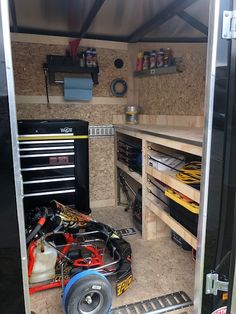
[(131, 113)]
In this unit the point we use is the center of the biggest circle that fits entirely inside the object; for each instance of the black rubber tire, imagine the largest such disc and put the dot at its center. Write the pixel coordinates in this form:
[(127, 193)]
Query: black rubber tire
[(94, 284)]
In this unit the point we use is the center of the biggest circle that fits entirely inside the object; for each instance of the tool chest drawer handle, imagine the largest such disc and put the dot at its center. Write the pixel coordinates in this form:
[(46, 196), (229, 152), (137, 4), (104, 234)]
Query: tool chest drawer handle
[(49, 193), (49, 180), (47, 155), (47, 168), (28, 149), (45, 142)]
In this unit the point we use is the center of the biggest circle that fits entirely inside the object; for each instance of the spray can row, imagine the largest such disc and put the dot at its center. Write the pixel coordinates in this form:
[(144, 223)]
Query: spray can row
[(154, 59), (88, 58)]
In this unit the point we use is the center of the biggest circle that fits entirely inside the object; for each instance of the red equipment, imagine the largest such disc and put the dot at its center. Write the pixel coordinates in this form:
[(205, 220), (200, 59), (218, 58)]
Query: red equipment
[(74, 243)]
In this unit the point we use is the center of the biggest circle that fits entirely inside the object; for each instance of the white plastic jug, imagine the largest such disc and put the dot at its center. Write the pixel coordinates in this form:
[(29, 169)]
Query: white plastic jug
[(44, 266)]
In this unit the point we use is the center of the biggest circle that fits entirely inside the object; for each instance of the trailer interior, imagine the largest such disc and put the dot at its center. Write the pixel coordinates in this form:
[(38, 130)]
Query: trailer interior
[(143, 178)]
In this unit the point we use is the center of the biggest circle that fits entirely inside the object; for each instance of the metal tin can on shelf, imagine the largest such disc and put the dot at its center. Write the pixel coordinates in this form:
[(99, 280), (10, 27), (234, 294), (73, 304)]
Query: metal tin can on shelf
[(131, 113), (146, 60), (153, 59), (160, 59), (166, 57), (89, 58), (139, 63), (94, 58)]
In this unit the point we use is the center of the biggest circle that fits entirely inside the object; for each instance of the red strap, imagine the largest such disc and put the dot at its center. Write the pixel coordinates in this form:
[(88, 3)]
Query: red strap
[(42, 221)]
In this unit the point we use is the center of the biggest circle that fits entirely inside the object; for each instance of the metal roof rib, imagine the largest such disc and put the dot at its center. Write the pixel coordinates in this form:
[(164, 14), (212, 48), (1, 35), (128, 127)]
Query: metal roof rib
[(170, 11), (130, 21), (193, 22), (13, 15), (92, 14)]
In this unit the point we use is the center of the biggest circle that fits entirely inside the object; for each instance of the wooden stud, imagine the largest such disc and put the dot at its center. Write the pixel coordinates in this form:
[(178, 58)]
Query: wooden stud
[(22, 99), (64, 41), (117, 187), (149, 219)]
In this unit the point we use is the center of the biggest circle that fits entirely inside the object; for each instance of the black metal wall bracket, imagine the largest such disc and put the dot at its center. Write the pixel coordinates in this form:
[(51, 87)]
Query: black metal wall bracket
[(64, 64)]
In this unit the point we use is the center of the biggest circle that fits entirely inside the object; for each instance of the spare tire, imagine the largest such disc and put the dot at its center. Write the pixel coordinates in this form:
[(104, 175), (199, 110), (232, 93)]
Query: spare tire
[(88, 292)]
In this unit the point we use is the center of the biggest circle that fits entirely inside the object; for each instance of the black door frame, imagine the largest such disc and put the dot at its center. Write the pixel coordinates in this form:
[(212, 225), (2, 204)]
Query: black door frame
[(14, 288), (220, 98)]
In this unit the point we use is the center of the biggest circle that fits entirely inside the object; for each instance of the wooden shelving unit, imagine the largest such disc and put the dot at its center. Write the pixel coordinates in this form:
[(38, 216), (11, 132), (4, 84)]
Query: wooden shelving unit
[(156, 221)]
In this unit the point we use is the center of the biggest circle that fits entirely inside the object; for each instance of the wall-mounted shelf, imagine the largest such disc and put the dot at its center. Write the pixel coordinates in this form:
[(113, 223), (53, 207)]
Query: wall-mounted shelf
[(64, 64), (155, 72)]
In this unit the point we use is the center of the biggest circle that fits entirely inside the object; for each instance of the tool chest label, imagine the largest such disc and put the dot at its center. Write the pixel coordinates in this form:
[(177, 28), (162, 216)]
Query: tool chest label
[(222, 310), (66, 130)]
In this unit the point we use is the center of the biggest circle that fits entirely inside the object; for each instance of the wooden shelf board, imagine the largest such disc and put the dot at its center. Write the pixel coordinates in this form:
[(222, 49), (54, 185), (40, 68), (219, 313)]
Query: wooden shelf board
[(132, 133), (185, 139), (172, 223), (136, 176), (167, 177)]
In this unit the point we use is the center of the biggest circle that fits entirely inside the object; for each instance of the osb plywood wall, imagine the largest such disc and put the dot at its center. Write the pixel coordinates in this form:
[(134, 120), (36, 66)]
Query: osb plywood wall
[(96, 114), (173, 94), (29, 77), (29, 81)]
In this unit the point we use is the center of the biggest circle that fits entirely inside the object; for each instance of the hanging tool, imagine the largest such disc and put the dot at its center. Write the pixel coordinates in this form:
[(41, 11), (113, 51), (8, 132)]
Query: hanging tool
[(136, 205), (74, 45), (45, 69), (124, 185)]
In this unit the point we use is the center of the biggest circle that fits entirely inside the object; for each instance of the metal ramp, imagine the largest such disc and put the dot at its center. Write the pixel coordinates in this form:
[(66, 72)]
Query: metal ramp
[(163, 304)]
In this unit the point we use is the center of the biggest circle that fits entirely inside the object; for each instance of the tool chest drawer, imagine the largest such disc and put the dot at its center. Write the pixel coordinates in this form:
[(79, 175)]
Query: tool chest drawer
[(36, 186), (42, 160), (54, 162), (65, 197), (37, 173)]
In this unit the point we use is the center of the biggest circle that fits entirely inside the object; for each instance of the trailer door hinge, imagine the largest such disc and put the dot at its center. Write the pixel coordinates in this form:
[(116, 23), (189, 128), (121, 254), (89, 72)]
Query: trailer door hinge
[(213, 284), (229, 25)]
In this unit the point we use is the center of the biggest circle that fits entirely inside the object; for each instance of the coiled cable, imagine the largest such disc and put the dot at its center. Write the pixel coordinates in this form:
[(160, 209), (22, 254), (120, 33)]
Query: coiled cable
[(190, 173)]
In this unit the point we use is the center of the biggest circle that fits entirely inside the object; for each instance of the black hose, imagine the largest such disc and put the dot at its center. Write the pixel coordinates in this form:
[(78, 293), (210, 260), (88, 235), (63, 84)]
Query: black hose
[(33, 233), (37, 228)]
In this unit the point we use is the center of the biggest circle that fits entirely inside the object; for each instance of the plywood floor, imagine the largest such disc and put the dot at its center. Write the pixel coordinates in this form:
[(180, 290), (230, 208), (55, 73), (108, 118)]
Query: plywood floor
[(159, 267)]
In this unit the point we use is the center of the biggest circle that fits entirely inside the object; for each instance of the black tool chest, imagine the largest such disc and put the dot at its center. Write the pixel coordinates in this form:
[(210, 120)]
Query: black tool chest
[(54, 162)]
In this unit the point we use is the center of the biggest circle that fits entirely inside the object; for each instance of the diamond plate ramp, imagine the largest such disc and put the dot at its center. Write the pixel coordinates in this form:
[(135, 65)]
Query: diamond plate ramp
[(159, 305)]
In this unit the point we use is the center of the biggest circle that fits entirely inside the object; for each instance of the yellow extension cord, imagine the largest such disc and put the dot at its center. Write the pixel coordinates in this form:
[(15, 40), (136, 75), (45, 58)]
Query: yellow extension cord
[(190, 173)]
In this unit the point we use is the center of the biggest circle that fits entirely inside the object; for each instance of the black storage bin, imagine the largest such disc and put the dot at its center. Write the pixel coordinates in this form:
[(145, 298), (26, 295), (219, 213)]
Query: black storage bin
[(54, 162), (137, 210), (130, 153), (186, 218), (180, 241)]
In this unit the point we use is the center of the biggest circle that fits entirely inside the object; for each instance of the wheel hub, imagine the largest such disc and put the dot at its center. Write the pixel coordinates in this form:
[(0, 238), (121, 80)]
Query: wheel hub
[(88, 299), (91, 303)]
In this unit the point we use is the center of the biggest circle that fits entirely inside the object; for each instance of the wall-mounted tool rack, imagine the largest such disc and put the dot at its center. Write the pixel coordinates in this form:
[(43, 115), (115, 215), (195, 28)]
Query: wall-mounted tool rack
[(64, 64)]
